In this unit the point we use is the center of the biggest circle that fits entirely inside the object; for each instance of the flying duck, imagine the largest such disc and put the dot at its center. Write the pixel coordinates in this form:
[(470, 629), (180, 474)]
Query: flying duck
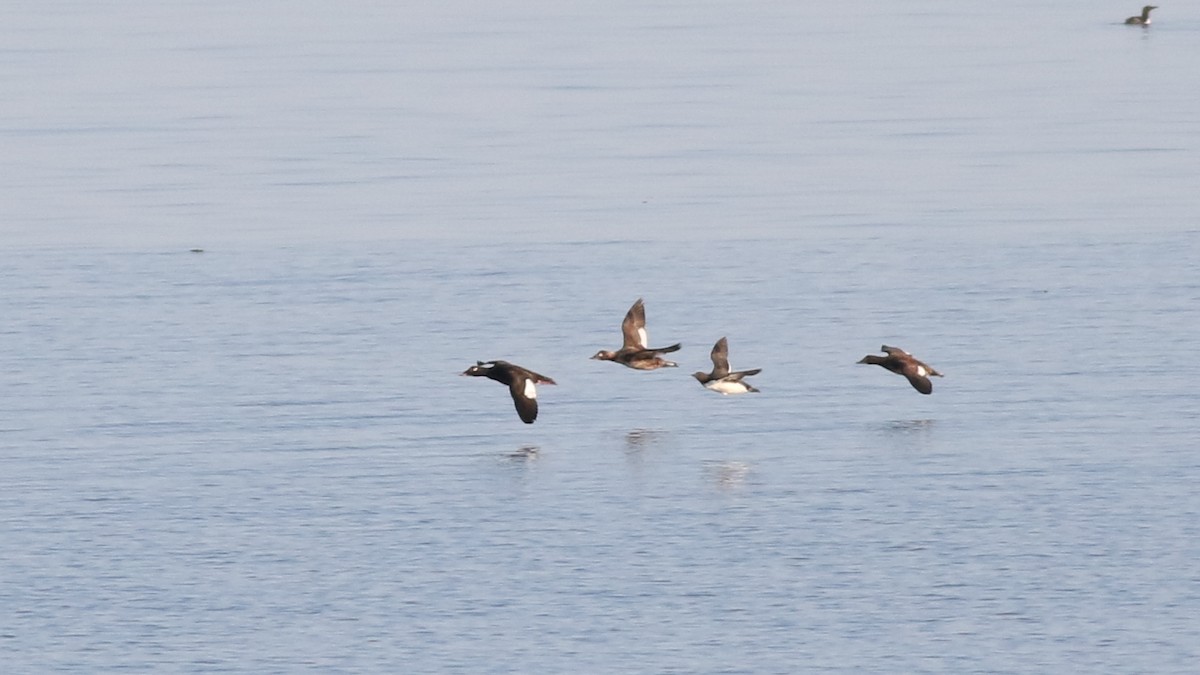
[(1144, 19), (520, 383), (633, 352), (902, 363), (721, 379)]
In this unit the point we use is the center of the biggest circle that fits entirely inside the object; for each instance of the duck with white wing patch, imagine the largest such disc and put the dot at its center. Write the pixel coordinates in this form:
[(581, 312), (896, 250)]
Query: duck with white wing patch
[(902, 363), (633, 352), (522, 384), (721, 379)]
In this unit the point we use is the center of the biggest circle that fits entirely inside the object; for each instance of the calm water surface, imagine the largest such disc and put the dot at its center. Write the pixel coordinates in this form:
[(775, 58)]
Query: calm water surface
[(260, 458)]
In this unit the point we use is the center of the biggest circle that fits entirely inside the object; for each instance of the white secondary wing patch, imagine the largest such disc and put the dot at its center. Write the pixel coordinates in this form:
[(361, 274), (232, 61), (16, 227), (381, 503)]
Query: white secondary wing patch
[(921, 371), (642, 337), (530, 390)]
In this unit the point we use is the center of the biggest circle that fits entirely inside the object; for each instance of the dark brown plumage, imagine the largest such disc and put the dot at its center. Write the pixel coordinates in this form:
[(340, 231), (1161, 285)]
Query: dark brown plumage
[(721, 379), (520, 383), (902, 363), (633, 352), (1144, 19)]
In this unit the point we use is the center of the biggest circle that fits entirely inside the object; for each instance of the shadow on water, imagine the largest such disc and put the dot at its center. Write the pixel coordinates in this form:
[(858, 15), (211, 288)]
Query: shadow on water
[(917, 435), (525, 453), (908, 426), (640, 440), (728, 475)]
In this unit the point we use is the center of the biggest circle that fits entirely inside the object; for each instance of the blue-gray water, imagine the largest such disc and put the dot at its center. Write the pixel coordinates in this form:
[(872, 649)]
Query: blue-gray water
[(260, 458)]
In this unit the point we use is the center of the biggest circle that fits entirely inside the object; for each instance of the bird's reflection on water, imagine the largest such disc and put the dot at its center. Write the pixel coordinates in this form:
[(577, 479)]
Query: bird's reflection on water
[(525, 453), (728, 475), (639, 443), (917, 435), (639, 439), (909, 426)]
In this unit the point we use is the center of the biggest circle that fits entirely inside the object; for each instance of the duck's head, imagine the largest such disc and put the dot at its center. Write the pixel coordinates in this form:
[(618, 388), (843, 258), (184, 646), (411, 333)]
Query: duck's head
[(476, 370), (604, 355)]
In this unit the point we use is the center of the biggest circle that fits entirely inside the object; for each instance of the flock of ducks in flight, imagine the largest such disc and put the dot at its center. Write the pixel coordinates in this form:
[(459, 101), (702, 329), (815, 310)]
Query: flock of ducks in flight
[(634, 353)]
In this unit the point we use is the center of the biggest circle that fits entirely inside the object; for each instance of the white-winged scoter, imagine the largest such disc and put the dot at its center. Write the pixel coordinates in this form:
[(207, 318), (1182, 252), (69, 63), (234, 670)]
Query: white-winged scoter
[(902, 363), (633, 352), (521, 384)]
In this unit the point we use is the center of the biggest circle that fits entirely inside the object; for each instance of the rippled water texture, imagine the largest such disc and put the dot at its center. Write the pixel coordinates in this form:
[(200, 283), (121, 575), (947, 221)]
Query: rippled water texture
[(260, 457)]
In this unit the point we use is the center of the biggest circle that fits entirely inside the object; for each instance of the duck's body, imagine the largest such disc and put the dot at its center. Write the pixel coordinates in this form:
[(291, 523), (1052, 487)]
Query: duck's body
[(721, 379), (633, 352), (521, 384), (640, 359), (1143, 19), (902, 363), (731, 385)]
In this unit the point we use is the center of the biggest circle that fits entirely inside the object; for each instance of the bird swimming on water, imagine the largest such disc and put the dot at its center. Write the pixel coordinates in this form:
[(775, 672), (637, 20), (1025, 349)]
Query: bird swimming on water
[(1144, 19), (633, 352), (521, 384), (721, 379), (902, 363)]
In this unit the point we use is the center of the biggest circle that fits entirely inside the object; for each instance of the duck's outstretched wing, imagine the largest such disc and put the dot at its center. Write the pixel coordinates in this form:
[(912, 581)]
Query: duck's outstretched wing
[(720, 359), (524, 396), (664, 350), (919, 382), (739, 374), (633, 328)]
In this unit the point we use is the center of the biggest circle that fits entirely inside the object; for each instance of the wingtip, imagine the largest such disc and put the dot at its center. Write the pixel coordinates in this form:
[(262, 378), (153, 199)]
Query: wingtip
[(923, 386)]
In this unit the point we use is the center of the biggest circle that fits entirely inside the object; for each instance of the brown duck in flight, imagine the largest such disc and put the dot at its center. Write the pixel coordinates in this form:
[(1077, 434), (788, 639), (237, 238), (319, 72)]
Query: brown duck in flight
[(902, 363), (633, 352)]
